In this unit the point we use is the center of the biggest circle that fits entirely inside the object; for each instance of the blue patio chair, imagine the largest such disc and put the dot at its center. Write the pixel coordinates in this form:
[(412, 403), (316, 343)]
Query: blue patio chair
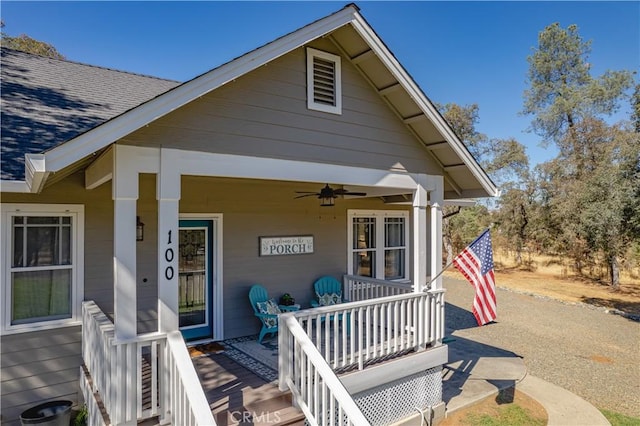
[(328, 291), (265, 309)]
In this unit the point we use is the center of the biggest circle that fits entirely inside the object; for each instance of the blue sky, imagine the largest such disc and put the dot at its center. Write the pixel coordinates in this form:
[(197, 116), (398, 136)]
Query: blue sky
[(460, 52)]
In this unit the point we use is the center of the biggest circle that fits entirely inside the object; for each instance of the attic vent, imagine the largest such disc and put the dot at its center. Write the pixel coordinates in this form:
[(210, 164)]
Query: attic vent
[(324, 73), (324, 91)]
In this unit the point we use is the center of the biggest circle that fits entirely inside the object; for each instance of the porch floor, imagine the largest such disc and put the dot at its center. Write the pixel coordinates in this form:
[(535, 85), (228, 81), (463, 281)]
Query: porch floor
[(237, 396)]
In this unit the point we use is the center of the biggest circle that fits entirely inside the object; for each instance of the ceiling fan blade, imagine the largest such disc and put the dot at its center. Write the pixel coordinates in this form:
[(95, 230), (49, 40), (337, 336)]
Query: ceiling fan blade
[(347, 192), (307, 195)]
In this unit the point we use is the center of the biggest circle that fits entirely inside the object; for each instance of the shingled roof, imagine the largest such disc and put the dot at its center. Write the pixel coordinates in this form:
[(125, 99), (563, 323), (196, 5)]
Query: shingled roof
[(45, 102)]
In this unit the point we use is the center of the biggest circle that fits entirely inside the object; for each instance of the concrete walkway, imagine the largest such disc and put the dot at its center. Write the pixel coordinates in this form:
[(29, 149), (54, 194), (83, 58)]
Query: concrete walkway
[(477, 371)]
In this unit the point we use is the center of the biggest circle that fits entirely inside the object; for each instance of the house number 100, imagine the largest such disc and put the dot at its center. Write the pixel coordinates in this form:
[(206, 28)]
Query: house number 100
[(168, 256)]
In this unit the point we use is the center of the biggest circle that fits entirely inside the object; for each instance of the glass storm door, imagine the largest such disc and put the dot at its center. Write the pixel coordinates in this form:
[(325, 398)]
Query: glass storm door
[(195, 283)]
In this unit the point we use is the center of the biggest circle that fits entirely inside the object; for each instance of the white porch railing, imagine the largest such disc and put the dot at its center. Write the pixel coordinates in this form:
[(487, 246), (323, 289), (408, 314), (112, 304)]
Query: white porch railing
[(315, 344), (365, 288), (149, 375), (355, 334), (187, 403), (316, 389)]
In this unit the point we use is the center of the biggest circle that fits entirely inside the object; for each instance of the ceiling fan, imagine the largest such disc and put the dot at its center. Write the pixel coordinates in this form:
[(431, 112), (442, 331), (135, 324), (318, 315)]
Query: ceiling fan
[(327, 195)]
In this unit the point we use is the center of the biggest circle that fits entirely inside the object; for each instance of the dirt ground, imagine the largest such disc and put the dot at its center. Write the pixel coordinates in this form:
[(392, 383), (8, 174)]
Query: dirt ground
[(495, 405), (552, 277)]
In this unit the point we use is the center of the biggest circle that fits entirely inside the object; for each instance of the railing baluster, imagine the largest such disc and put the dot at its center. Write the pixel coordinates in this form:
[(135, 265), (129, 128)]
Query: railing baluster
[(138, 361), (352, 335), (346, 320), (154, 378), (327, 338), (375, 330), (361, 326), (319, 332), (303, 373), (396, 324), (316, 392), (433, 325), (336, 339)]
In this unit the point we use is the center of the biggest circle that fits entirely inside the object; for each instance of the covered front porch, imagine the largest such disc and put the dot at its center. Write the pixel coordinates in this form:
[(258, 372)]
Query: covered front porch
[(255, 198), (335, 363)]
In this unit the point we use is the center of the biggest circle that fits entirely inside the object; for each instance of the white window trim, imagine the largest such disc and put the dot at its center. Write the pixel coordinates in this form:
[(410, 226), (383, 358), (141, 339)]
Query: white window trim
[(379, 214), (333, 109), (76, 211)]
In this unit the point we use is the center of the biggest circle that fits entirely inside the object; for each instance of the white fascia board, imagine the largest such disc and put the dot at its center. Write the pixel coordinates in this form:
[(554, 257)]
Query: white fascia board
[(35, 172), (460, 203), (367, 33), (114, 129), (14, 186)]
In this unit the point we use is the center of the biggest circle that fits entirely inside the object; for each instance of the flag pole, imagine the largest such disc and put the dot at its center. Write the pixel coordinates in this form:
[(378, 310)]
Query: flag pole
[(437, 276), (451, 263)]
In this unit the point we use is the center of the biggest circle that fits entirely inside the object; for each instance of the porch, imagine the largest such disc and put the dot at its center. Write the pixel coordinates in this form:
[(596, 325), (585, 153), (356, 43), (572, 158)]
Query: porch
[(337, 362)]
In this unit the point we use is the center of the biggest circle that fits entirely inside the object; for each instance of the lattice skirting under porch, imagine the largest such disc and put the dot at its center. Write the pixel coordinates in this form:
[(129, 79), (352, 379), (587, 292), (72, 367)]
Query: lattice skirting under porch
[(400, 399)]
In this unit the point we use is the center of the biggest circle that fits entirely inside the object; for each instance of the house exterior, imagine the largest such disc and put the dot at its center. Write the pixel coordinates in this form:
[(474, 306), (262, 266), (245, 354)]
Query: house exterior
[(163, 202)]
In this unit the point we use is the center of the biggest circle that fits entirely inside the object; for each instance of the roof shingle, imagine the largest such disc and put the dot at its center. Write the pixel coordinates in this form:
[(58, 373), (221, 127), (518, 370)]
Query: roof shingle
[(46, 102)]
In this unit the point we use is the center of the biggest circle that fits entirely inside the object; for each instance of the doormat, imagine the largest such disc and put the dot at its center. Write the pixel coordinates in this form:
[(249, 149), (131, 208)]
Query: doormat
[(259, 358), (196, 351)]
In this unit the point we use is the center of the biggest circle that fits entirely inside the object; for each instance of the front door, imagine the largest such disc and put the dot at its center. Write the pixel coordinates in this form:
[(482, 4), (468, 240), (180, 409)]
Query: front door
[(195, 287)]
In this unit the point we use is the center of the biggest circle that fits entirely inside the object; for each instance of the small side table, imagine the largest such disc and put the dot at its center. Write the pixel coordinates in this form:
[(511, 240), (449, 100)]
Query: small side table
[(290, 308)]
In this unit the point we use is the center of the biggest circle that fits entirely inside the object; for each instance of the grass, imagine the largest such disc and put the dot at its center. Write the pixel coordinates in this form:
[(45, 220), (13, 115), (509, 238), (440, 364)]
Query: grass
[(617, 419), (507, 416), (509, 407)]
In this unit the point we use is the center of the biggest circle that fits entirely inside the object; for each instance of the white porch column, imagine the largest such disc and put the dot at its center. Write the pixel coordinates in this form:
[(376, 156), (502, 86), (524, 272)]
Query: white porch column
[(125, 196), (436, 201), (168, 195), (419, 238)]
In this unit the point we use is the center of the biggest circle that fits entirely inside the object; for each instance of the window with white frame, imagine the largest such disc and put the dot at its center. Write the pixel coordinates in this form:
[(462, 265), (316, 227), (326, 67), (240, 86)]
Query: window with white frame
[(324, 81), (42, 264), (378, 244)]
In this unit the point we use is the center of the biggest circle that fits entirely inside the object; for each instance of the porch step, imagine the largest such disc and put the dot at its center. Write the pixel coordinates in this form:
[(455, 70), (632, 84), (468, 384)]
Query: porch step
[(289, 416), (270, 411)]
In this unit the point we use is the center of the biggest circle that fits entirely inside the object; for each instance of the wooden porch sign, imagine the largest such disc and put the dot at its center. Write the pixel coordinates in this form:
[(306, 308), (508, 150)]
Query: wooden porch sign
[(283, 246)]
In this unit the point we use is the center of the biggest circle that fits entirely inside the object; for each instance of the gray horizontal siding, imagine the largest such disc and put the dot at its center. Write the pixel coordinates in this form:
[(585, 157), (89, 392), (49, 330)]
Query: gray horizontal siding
[(38, 366), (264, 113), (252, 209)]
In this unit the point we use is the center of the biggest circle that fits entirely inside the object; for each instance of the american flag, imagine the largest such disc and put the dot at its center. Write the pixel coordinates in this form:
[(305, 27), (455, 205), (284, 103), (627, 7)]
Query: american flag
[(476, 264)]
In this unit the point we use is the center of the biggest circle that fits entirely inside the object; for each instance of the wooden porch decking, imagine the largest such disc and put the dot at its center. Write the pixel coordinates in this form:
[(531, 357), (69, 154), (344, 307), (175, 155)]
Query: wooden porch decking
[(237, 396)]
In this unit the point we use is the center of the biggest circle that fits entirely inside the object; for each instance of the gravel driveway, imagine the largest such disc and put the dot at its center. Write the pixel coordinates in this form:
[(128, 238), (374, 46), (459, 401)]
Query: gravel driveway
[(580, 348)]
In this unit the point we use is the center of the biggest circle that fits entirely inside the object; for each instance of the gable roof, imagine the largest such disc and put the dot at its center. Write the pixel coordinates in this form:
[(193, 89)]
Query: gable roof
[(348, 30)]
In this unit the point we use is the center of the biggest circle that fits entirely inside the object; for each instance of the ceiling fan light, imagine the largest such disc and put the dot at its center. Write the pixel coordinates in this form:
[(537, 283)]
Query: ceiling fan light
[(327, 201)]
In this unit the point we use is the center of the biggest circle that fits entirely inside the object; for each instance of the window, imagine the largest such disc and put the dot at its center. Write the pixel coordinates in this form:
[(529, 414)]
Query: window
[(378, 244), (43, 246), (324, 85)]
